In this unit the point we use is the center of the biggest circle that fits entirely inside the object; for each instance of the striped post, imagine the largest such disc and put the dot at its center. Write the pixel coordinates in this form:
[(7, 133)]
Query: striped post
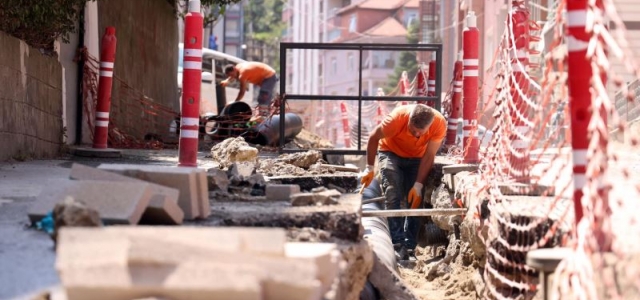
[(191, 80), (105, 82), (431, 83), (456, 103), (470, 46), (381, 111), (345, 124), (580, 98), (421, 84), (404, 86), (519, 90)]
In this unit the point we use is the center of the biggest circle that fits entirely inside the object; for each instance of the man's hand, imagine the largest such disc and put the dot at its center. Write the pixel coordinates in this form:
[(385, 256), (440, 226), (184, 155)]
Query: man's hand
[(367, 177), (224, 83), (415, 196)]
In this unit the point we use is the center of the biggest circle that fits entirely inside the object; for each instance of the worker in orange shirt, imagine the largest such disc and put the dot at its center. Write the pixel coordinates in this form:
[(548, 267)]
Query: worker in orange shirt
[(406, 143), (256, 73)]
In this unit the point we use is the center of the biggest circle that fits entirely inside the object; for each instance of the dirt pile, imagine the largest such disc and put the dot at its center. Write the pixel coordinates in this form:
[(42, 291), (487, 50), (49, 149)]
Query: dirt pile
[(233, 150), (431, 279), (297, 164), (308, 140)]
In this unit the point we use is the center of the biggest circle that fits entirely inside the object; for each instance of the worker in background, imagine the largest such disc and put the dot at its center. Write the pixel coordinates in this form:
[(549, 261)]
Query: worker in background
[(406, 143), (256, 73)]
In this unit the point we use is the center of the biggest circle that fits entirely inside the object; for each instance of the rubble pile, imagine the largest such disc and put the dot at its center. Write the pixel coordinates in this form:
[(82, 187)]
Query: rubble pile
[(308, 140), (233, 150)]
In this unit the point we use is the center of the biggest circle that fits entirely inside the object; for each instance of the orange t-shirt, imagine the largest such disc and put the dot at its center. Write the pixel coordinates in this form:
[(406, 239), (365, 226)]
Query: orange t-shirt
[(254, 72), (398, 139)]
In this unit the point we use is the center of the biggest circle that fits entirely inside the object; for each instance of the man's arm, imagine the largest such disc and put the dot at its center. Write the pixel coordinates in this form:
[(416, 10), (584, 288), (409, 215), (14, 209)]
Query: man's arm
[(427, 160), (243, 86), (225, 82), (372, 145)]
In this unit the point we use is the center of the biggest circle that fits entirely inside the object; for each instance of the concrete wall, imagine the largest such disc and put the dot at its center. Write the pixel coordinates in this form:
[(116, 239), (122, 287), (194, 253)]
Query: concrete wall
[(146, 60), (30, 101)]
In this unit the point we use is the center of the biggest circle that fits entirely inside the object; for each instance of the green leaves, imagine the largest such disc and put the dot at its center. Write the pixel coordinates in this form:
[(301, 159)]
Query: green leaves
[(40, 23)]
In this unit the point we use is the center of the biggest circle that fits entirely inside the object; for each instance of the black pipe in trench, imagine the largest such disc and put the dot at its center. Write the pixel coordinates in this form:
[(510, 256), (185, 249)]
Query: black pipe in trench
[(376, 232)]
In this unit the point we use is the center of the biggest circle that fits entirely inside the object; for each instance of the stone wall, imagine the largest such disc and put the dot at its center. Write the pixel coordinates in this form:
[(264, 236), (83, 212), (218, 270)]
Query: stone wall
[(146, 61), (30, 101)]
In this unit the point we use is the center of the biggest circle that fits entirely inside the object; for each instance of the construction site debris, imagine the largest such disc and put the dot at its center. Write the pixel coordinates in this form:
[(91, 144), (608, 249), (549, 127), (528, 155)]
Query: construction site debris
[(191, 182), (249, 263), (218, 180), (302, 159), (163, 207), (308, 140), (318, 196), (281, 191), (116, 202), (443, 199), (73, 213), (233, 150)]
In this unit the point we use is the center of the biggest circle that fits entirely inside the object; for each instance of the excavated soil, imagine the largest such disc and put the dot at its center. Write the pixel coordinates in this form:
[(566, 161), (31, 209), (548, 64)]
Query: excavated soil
[(308, 140), (458, 280)]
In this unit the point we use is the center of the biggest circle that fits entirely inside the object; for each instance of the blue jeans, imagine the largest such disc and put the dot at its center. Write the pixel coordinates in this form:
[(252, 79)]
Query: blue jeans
[(397, 176)]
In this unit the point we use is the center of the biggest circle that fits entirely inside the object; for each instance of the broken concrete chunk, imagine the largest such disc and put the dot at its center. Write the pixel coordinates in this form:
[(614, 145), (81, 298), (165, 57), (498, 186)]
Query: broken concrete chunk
[(162, 209), (241, 170), (218, 180), (233, 150), (281, 191), (302, 159), (319, 196), (188, 181), (116, 202), (74, 213)]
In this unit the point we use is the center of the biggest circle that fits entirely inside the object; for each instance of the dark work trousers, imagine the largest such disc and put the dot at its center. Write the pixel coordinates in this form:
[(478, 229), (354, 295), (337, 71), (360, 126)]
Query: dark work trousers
[(396, 178)]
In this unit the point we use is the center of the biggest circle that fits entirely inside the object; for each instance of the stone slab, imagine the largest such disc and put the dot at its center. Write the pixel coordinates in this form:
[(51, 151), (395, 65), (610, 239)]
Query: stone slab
[(281, 191), (163, 207), (96, 153), (162, 211), (181, 178), (341, 220), (347, 182), (323, 255), (116, 202), (164, 260)]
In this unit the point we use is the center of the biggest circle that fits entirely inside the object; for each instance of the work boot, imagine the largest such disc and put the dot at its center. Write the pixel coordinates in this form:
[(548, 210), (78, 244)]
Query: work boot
[(411, 254)]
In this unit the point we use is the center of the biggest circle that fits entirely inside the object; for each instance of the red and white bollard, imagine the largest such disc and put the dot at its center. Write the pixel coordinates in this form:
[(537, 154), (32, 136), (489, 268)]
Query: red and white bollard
[(431, 83), (519, 90), (421, 84), (404, 86), (345, 124), (580, 99), (105, 82), (456, 102), (470, 46), (191, 81)]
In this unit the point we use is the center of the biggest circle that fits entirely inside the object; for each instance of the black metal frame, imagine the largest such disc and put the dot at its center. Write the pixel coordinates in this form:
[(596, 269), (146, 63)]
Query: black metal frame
[(437, 48)]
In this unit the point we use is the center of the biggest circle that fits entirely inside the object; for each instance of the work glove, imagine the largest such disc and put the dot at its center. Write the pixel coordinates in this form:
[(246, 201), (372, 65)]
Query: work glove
[(415, 195), (367, 177)]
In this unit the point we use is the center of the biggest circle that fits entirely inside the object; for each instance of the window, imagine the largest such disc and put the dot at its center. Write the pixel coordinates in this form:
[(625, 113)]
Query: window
[(232, 28), (334, 66), (411, 18), (320, 70), (352, 23), (376, 61), (350, 61)]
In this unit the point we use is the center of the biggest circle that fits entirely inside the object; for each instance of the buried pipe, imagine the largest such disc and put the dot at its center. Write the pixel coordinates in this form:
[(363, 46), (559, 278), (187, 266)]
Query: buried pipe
[(268, 132), (376, 232)]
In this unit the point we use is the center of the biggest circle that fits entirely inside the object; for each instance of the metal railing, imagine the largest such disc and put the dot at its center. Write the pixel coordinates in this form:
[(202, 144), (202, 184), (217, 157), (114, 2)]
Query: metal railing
[(437, 48)]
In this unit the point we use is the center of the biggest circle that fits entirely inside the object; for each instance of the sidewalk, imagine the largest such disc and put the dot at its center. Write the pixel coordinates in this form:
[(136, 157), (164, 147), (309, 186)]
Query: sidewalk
[(26, 255)]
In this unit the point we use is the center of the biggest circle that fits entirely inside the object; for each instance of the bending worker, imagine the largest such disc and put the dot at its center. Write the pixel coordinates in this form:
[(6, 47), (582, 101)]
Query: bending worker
[(256, 73), (406, 143)]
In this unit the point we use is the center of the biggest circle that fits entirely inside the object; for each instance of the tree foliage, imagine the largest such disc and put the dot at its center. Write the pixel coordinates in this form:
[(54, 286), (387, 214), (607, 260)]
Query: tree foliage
[(263, 23), (39, 23), (407, 60), (214, 8)]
